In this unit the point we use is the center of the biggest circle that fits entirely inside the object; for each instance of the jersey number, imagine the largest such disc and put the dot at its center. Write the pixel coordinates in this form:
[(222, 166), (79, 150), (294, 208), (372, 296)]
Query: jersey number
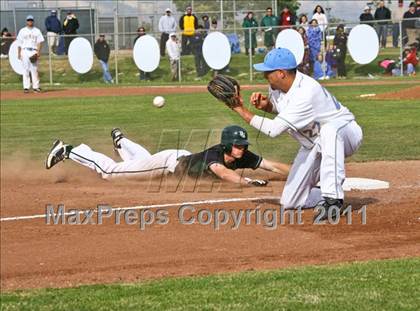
[(313, 131), (327, 94)]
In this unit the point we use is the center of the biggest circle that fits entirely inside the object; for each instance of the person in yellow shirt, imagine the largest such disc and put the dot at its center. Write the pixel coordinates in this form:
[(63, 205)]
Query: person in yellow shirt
[(188, 24)]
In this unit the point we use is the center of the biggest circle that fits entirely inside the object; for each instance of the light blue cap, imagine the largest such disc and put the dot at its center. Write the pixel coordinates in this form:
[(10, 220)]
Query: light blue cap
[(29, 17), (277, 59)]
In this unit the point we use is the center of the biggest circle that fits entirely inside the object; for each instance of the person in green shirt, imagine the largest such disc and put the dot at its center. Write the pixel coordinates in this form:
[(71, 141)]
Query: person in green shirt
[(270, 21), (250, 22)]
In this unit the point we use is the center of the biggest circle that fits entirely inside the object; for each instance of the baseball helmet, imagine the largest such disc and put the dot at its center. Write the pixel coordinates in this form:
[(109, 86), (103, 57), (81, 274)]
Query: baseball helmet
[(233, 135)]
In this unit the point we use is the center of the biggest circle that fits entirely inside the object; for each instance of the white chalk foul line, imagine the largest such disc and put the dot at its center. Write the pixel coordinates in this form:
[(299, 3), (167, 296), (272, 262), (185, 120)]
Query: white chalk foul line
[(138, 207)]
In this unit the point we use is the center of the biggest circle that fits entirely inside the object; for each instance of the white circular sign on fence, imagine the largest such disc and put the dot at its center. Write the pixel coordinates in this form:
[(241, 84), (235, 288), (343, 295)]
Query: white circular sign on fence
[(363, 44), (14, 61), (80, 55), (292, 40), (146, 53), (216, 50)]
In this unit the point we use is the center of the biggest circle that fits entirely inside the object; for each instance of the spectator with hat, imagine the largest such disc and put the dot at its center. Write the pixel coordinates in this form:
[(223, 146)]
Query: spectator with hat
[(174, 54), (102, 51), (70, 26), (144, 76), (340, 44), (366, 17), (6, 42), (409, 26), (188, 24), (167, 25), (30, 41), (206, 23), (53, 26)]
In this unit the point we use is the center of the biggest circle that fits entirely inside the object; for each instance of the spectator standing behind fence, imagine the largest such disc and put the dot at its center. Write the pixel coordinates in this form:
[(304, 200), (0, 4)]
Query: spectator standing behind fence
[(188, 24), (396, 16), (383, 15), (250, 22), (144, 76), (174, 54), (330, 59), (320, 17), (303, 22), (197, 50), (305, 65), (102, 51), (30, 41), (53, 26), (366, 17), (6, 42), (410, 62), (70, 26), (409, 26), (268, 22), (314, 40), (287, 18), (167, 25), (206, 23), (340, 44)]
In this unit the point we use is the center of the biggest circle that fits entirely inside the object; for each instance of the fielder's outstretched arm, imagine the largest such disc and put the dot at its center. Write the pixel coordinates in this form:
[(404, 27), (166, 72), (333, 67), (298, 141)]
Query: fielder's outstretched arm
[(275, 167), (229, 175)]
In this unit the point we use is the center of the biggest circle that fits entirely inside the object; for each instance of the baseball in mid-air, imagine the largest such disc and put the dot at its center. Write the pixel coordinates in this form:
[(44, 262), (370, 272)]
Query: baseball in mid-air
[(159, 101)]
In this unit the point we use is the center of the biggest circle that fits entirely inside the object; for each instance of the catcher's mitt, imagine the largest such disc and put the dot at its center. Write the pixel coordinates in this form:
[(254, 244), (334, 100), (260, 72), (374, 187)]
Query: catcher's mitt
[(225, 89), (33, 58)]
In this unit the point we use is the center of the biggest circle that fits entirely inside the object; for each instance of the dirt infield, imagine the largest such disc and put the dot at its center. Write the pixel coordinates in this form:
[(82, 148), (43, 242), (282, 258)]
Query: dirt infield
[(34, 254), (410, 93), (156, 90)]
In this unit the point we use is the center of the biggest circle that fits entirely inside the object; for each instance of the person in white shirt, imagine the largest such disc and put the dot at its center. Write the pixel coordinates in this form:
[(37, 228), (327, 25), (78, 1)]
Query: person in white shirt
[(174, 53), (30, 41), (326, 130), (167, 25), (320, 16)]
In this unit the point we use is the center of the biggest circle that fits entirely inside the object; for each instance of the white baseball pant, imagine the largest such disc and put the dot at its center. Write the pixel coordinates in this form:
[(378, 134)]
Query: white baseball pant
[(137, 161), (29, 68), (325, 163)]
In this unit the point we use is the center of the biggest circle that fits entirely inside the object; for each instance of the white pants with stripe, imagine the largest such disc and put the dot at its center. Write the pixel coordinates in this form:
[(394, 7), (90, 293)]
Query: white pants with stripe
[(29, 68), (323, 163), (137, 161)]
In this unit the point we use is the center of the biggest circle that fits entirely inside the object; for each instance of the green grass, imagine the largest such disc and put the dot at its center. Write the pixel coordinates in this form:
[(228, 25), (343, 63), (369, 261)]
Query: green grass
[(374, 285), (128, 73), (28, 127)]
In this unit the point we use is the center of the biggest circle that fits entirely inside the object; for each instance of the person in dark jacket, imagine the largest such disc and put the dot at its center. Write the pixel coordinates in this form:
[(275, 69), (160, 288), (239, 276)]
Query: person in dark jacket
[(340, 45), (102, 51), (409, 26), (197, 49), (366, 17), (250, 40), (70, 26), (6, 42), (188, 24), (53, 27), (382, 14), (144, 76)]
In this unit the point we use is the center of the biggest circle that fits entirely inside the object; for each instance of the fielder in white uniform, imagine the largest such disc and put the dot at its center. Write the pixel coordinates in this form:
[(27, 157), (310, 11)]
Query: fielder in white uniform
[(326, 130), (29, 43)]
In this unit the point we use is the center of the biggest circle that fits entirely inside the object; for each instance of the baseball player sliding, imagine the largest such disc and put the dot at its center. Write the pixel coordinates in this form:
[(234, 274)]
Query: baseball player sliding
[(30, 41), (326, 130), (220, 160)]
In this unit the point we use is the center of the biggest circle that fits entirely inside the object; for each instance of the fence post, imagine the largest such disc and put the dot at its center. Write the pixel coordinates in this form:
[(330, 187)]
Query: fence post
[(179, 70), (116, 47), (49, 61), (250, 54), (401, 48)]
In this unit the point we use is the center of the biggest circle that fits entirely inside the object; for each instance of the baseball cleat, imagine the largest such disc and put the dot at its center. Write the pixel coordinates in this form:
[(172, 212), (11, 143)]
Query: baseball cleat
[(38, 90), (325, 206), (116, 135), (58, 153), (25, 90)]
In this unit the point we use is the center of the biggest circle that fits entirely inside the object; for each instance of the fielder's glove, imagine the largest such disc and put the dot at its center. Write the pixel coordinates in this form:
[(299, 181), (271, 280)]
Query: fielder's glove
[(33, 58), (256, 182), (225, 89)]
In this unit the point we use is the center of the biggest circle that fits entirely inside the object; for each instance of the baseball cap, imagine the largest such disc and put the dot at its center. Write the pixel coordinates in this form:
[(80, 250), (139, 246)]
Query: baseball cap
[(168, 10), (53, 11), (277, 59), (29, 18), (366, 8), (173, 34)]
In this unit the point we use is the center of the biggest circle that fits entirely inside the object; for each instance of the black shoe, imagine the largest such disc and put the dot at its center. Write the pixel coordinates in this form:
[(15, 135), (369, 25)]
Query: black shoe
[(38, 90), (26, 91), (58, 153), (329, 206), (116, 135)]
